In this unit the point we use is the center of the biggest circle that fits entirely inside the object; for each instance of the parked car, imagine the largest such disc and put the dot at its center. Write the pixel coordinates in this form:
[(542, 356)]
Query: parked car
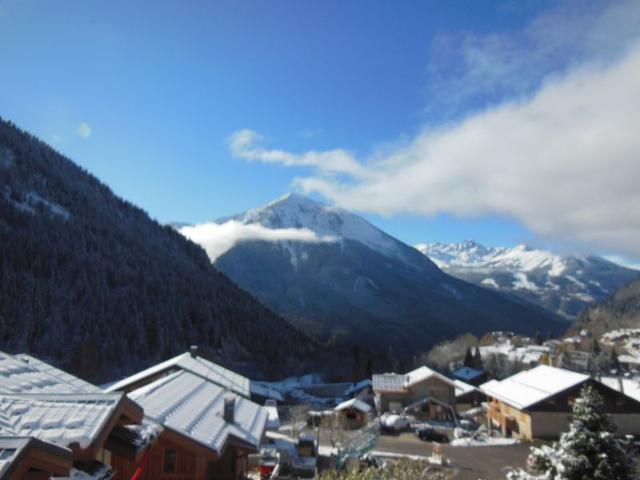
[(390, 423), (431, 435)]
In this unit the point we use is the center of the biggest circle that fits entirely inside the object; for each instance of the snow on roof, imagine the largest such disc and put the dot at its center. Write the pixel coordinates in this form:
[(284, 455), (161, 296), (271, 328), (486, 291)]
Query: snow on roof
[(463, 388), (422, 373), (394, 382), (354, 403), (197, 365), (62, 419), (388, 382), (467, 373), (25, 374), (630, 387), (532, 386), (193, 406)]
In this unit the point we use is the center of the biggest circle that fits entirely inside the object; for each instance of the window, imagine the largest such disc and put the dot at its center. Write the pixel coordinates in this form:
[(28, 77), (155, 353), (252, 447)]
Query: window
[(169, 460)]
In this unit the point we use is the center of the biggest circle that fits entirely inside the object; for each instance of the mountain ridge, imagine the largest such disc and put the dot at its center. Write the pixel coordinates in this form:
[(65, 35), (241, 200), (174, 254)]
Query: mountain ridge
[(565, 284)]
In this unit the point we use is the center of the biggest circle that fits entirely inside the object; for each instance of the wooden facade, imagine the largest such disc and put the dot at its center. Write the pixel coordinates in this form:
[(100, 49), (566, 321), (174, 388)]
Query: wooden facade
[(550, 417), (177, 457)]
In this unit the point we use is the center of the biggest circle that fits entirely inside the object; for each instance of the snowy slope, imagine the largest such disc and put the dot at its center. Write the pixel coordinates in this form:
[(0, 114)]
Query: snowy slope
[(298, 211), (565, 284)]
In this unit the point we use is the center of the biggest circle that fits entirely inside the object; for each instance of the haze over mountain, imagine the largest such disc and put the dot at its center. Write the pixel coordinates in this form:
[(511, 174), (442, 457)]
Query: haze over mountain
[(565, 284), (94, 285), (351, 283)]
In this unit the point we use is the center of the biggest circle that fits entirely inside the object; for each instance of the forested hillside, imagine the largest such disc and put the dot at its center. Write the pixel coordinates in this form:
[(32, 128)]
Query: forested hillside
[(91, 283), (622, 310)]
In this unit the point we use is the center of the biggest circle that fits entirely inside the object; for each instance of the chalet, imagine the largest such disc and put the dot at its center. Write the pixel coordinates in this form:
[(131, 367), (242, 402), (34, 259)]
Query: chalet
[(30, 458), (422, 391), (467, 396), (352, 414), (40, 401), (209, 424), (536, 403)]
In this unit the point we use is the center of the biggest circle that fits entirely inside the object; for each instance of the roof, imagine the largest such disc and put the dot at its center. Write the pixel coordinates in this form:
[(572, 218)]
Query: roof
[(354, 403), (527, 388), (463, 388), (15, 456), (630, 387), (25, 374), (394, 382), (467, 373), (194, 364), (193, 406), (63, 419)]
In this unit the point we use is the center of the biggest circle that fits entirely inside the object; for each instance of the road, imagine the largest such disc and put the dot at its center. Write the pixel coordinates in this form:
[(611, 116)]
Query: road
[(468, 463)]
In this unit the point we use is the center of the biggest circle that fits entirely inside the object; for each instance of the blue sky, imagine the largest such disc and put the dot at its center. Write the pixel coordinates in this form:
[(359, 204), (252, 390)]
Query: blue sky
[(146, 95)]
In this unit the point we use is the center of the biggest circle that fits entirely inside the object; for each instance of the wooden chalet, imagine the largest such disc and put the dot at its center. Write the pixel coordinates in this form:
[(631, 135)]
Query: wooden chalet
[(423, 392), (210, 425), (41, 402), (537, 403)]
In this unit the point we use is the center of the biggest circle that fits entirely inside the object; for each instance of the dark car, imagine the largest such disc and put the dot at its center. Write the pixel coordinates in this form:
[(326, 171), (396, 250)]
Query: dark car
[(431, 435)]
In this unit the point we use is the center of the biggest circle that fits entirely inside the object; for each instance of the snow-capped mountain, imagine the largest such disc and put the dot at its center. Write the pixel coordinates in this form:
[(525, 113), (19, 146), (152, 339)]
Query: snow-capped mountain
[(337, 276), (565, 284)]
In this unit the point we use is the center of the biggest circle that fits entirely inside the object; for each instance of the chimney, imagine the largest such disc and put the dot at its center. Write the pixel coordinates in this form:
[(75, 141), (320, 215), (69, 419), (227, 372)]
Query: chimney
[(229, 409), (193, 351)]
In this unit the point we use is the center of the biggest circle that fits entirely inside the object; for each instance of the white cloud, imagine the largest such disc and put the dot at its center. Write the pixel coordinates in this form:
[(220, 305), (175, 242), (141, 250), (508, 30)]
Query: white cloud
[(84, 130), (217, 239), (245, 144), (565, 163), (624, 261)]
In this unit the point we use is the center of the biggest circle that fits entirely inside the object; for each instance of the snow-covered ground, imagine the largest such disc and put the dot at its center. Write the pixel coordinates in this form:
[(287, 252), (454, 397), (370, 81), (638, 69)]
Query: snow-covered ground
[(483, 441)]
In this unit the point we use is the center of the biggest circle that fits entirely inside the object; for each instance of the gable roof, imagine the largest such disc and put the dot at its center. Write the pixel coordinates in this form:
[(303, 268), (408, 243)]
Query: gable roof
[(463, 388), (195, 364), (193, 407), (19, 455), (395, 382), (68, 420), (354, 403), (529, 387), (25, 374)]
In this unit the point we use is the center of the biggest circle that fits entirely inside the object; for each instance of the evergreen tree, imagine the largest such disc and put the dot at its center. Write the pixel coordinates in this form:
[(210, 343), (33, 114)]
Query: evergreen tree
[(477, 359), (468, 358), (589, 450)]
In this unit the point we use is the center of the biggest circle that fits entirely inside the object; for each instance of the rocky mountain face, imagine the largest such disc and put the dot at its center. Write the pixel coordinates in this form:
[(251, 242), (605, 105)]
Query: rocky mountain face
[(360, 286), (94, 285), (565, 284), (621, 310)]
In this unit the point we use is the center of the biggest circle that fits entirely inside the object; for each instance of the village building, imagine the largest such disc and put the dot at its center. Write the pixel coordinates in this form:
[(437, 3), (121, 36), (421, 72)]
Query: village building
[(472, 376), (468, 396), (422, 392), (537, 403), (29, 458), (40, 401), (353, 414), (210, 425)]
